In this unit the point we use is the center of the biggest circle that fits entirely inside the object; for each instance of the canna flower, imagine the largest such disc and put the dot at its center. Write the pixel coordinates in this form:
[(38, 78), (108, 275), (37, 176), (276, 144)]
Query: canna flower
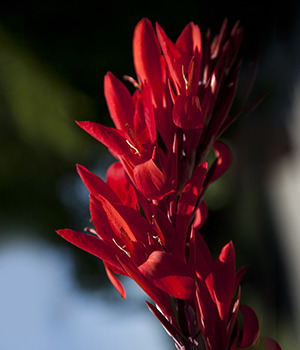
[(171, 101), (148, 214), (193, 85), (185, 287), (145, 248)]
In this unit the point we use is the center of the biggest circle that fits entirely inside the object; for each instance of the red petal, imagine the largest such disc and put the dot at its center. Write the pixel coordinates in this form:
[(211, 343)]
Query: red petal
[(218, 40), (92, 245), (190, 44), (173, 57), (111, 138), (251, 327), (146, 55), (119, 182), (144, 120), (115, 282), (161, 222), (220, 119), (224, 279), (107, 219), (169, 274), (150, 181), (161, 299), (187, 112), (239, 275), (189, 40), (207, 314), (187, 202), (212, 90), (96, 185), (204, 260), (201, 215), (119, 101)]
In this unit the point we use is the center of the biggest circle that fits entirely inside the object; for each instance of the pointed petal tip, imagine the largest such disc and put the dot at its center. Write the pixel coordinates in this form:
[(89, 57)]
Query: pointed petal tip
[(145, 21), (79, 167), (228, 251), (109, 76)]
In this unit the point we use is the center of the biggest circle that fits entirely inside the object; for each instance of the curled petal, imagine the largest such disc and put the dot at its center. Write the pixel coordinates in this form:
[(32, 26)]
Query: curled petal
[(169, 274), (270, 344), (151, 181), (251, 327), (161, 299), (223, 160), (239, 275), (201, 215)]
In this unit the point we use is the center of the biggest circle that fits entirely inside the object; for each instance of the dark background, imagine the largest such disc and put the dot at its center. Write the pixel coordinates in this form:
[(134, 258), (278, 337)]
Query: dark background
[(53, 57)]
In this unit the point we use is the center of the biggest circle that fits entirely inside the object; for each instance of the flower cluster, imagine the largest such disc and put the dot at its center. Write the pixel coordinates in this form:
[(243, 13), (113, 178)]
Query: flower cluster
[(147, 215)]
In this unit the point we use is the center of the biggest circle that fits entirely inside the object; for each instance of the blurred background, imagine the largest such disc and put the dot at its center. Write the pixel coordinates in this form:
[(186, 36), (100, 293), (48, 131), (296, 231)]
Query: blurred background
[(53, 57)]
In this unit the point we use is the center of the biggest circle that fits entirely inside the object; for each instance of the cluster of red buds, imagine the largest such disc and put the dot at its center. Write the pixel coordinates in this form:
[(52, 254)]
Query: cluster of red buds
[(147, 216)]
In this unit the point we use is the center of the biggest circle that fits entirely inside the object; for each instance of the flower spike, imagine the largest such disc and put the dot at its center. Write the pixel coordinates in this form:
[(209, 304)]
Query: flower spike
[(147, 216)]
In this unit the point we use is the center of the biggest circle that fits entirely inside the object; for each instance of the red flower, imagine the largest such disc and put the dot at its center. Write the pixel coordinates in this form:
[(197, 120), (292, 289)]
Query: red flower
[(129, 244), (147, 215), (193, 84)]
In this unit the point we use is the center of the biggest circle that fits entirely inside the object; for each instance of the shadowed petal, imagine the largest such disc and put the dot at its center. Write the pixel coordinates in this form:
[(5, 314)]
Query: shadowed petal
[(187, 202), (223, 161), (270, 344), (204, 260), (251, 327), (175, 333), (224, 279), (201, 215), (187, 112)]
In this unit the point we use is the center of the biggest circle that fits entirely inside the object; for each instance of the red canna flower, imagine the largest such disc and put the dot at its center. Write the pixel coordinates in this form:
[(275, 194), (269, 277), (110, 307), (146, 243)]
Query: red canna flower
[(192, 84), (147, 215)]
